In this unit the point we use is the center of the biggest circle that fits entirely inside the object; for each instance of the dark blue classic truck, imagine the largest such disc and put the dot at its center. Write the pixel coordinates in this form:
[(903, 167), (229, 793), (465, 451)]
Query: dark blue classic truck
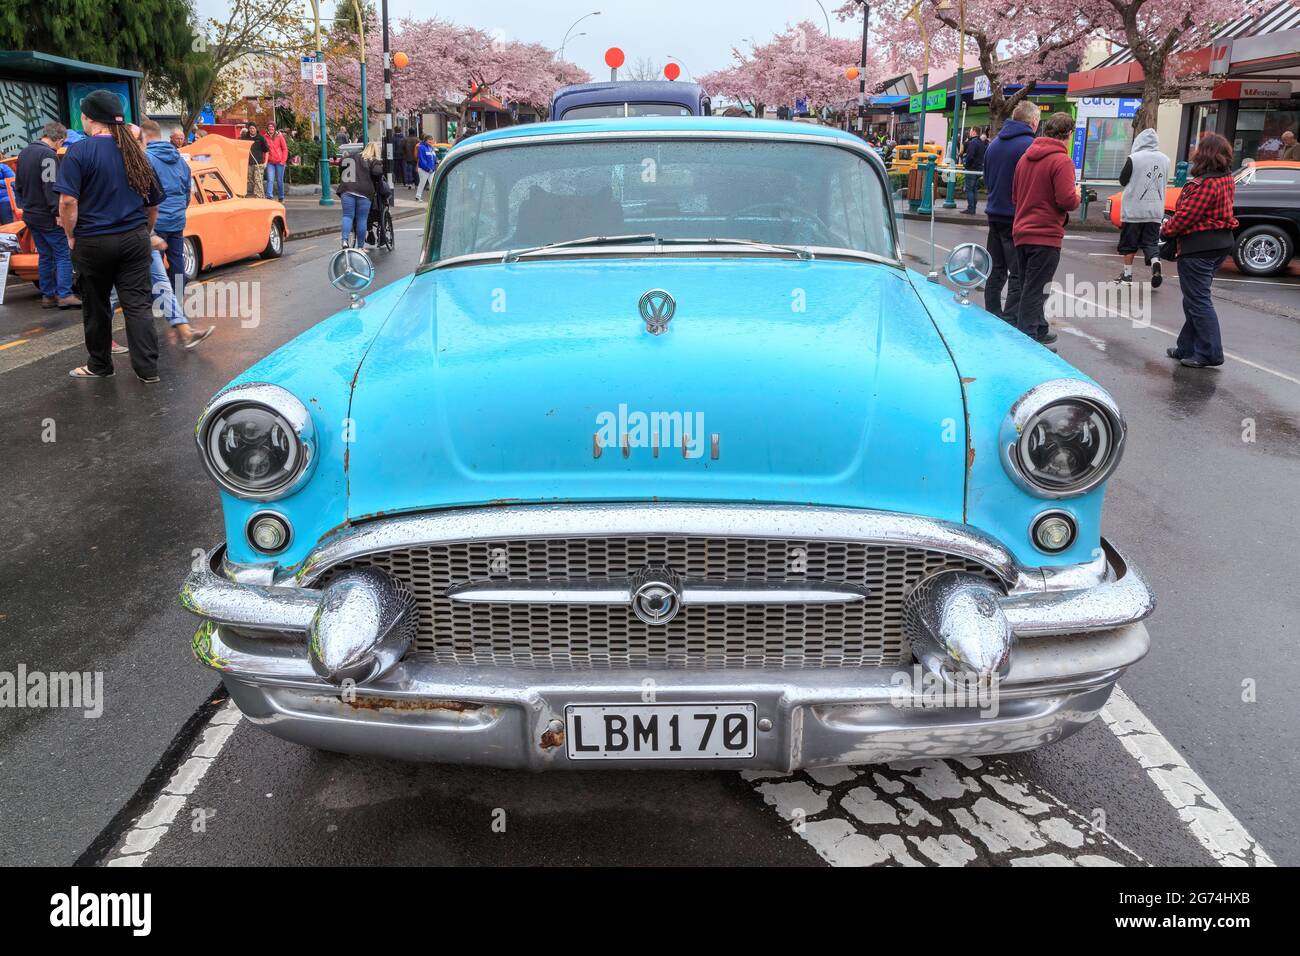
[(629, 98)]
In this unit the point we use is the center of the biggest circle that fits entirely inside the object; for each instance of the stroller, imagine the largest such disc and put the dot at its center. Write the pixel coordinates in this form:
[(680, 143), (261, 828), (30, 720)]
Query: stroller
[(379, 225)]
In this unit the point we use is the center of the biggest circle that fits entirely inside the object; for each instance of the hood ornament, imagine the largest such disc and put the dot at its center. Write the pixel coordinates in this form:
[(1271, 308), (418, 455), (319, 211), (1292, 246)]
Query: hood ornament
[(657, 307)]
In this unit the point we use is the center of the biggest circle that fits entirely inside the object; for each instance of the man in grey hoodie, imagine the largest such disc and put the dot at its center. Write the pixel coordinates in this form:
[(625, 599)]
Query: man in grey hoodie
[(1142, 208)]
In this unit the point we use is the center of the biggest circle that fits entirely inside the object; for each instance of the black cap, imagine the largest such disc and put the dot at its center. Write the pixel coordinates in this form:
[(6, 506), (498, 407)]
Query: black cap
[(103, 106)]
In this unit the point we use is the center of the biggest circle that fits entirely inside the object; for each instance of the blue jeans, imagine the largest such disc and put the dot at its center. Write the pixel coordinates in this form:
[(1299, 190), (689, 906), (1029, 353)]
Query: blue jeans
[(275, 181), (6, 211), (972, 191), (356, 210), (165, 304), (1200, 337), (54, 262)]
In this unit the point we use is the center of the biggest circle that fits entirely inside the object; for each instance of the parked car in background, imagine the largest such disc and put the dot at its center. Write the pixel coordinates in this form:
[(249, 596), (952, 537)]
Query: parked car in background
[(725, 485), (908, 155), (629, 98), (1267, 208), (222, 225)]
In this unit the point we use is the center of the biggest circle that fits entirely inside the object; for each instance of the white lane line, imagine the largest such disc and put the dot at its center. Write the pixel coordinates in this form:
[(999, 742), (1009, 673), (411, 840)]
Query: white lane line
[(959, 812), (1091, 238), (158, 819), (1212, 823), (1151, 325)]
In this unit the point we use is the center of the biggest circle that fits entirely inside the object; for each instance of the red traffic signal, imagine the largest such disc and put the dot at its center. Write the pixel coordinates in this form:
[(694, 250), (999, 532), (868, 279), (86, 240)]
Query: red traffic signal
[(672, 71), (613, 58)]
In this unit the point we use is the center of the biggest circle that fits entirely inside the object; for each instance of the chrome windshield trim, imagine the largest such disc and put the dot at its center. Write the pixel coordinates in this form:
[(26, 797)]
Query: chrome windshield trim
[(665, 518), (630, 250), (857, 147), (620, 592)]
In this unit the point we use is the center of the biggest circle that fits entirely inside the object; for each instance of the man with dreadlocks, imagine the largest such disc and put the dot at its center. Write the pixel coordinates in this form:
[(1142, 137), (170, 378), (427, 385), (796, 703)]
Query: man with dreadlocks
[(108, 202)]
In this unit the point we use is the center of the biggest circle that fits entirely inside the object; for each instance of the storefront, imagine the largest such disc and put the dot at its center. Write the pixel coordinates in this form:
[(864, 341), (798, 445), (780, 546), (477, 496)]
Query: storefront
[(1103, 135), (1243, 86)]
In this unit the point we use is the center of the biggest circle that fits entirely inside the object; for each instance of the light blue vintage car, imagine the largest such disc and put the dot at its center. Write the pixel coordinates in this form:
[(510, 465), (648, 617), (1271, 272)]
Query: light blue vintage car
[(661, 457)]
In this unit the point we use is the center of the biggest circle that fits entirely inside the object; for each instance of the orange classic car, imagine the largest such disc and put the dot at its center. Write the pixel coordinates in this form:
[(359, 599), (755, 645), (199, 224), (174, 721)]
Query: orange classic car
[(1267, 211), (222, 225)]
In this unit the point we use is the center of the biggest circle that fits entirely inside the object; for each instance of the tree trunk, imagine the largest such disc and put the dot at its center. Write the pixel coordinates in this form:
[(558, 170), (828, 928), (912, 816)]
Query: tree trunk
[(1152, 88)]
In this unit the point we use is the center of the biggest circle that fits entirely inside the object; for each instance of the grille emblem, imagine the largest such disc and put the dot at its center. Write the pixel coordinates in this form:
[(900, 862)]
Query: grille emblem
[(657, 307), (656, 595)]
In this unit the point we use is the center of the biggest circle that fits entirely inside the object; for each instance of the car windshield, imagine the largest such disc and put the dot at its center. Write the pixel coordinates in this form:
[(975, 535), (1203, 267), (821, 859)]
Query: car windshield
[(607, 110), (767, 193)]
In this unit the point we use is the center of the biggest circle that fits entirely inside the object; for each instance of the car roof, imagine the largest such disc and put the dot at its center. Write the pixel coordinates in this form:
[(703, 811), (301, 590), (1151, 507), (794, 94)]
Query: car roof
[(667, 124)]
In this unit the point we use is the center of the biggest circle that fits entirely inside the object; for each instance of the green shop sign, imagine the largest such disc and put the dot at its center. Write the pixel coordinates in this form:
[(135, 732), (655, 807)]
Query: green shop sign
[(934, 100)]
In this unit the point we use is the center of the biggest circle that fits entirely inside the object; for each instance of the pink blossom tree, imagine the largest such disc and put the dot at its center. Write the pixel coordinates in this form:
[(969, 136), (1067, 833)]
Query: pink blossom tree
[(1016, 43), (449, 65), (1155, 30), (800, 63)]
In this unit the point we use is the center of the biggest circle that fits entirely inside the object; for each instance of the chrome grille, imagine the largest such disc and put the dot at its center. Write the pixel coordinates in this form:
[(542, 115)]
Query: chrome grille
[(586, 636)]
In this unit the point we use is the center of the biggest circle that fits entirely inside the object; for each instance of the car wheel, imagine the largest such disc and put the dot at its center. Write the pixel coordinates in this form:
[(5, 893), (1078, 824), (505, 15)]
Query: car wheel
[(1263, 250), (274, 242), (193, 261)]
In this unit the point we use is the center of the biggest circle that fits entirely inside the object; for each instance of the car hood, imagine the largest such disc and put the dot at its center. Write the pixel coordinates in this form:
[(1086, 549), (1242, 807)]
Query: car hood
[(823, 381)]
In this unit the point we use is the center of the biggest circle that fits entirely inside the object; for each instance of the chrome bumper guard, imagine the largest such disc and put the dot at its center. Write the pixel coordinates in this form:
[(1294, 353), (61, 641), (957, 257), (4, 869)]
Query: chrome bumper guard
[(326, 667)]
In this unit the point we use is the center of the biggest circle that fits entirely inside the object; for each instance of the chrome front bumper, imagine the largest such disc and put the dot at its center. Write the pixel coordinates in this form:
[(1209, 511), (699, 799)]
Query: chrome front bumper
[(1075, 633)]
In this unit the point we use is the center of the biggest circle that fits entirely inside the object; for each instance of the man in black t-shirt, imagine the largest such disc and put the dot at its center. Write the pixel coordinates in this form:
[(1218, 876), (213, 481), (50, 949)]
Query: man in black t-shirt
[(108, 201)]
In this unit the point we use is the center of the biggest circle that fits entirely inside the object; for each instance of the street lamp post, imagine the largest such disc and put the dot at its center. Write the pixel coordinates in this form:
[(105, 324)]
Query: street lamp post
[(594, 13), (862, 66), (826, 15), (365, 113), (949, 201), (388, 98), (325, 198)]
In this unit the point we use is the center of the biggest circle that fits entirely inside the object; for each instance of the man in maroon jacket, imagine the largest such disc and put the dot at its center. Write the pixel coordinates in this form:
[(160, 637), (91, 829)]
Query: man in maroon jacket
[(1045, 194)]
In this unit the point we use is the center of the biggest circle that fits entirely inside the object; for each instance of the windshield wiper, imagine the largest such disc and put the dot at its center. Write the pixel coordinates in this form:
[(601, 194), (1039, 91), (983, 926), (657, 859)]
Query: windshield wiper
[(803, 252), (512, 255)]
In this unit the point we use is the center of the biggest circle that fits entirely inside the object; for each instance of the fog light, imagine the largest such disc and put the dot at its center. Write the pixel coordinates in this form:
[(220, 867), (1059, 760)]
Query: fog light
[(1053, 531), (268, 532)]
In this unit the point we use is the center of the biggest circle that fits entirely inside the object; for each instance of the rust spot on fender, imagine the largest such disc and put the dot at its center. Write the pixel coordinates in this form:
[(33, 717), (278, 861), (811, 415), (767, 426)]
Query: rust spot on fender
[(967, 381), (970, 456), (552, 739), (412, 704)]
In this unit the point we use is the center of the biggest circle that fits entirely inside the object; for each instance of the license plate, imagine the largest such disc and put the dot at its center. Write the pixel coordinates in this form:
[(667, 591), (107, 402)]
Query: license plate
[(659, 731)]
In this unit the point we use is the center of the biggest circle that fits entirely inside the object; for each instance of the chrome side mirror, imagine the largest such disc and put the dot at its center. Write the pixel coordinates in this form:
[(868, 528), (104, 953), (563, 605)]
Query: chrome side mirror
[(351, 271), (968, 265)]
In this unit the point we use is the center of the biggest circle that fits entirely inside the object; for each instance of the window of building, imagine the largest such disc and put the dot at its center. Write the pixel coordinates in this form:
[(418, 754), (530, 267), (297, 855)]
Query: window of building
[(1260, 125), (1106, 147)]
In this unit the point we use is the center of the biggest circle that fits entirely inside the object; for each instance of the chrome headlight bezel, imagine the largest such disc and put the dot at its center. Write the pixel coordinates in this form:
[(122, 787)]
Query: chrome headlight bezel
[(292, 414), (1040, 398)]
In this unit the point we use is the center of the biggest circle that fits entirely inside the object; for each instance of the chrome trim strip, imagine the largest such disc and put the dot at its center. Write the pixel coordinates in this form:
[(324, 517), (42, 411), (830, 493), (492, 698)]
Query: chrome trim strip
[(857, 147), (627, 249), (1124, 600), (666, 518), (620, 592)]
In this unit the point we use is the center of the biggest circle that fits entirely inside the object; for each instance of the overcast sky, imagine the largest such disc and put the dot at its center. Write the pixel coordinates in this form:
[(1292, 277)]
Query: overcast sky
[(700, 33)]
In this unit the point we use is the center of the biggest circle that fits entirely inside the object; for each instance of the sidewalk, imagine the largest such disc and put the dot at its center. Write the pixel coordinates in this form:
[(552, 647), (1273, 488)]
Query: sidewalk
[(308, 218), (1096, 221)]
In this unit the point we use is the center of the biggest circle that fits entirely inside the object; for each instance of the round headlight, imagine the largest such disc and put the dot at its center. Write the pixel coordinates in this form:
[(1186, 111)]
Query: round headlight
[(1064, 445), (1062, 438), (255, 441)]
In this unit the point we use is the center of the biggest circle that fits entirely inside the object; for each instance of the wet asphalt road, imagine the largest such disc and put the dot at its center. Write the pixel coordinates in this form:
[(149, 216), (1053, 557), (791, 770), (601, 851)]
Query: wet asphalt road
[(101, 522)]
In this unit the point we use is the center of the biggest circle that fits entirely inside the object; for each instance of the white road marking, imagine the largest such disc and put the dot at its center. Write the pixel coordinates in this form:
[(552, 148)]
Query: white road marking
[(1151, 325), (936, 812), (1106, 255), (1212, 823), (1090, 238), (158, 819)]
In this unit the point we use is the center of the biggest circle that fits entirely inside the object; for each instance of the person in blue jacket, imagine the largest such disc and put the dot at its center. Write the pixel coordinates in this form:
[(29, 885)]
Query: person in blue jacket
[(427, 161), (173, 172), (6, 210), (999, 171)]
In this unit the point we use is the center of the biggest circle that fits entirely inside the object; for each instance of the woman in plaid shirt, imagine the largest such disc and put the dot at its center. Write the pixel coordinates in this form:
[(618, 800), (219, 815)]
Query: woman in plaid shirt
[(1202, 226)]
